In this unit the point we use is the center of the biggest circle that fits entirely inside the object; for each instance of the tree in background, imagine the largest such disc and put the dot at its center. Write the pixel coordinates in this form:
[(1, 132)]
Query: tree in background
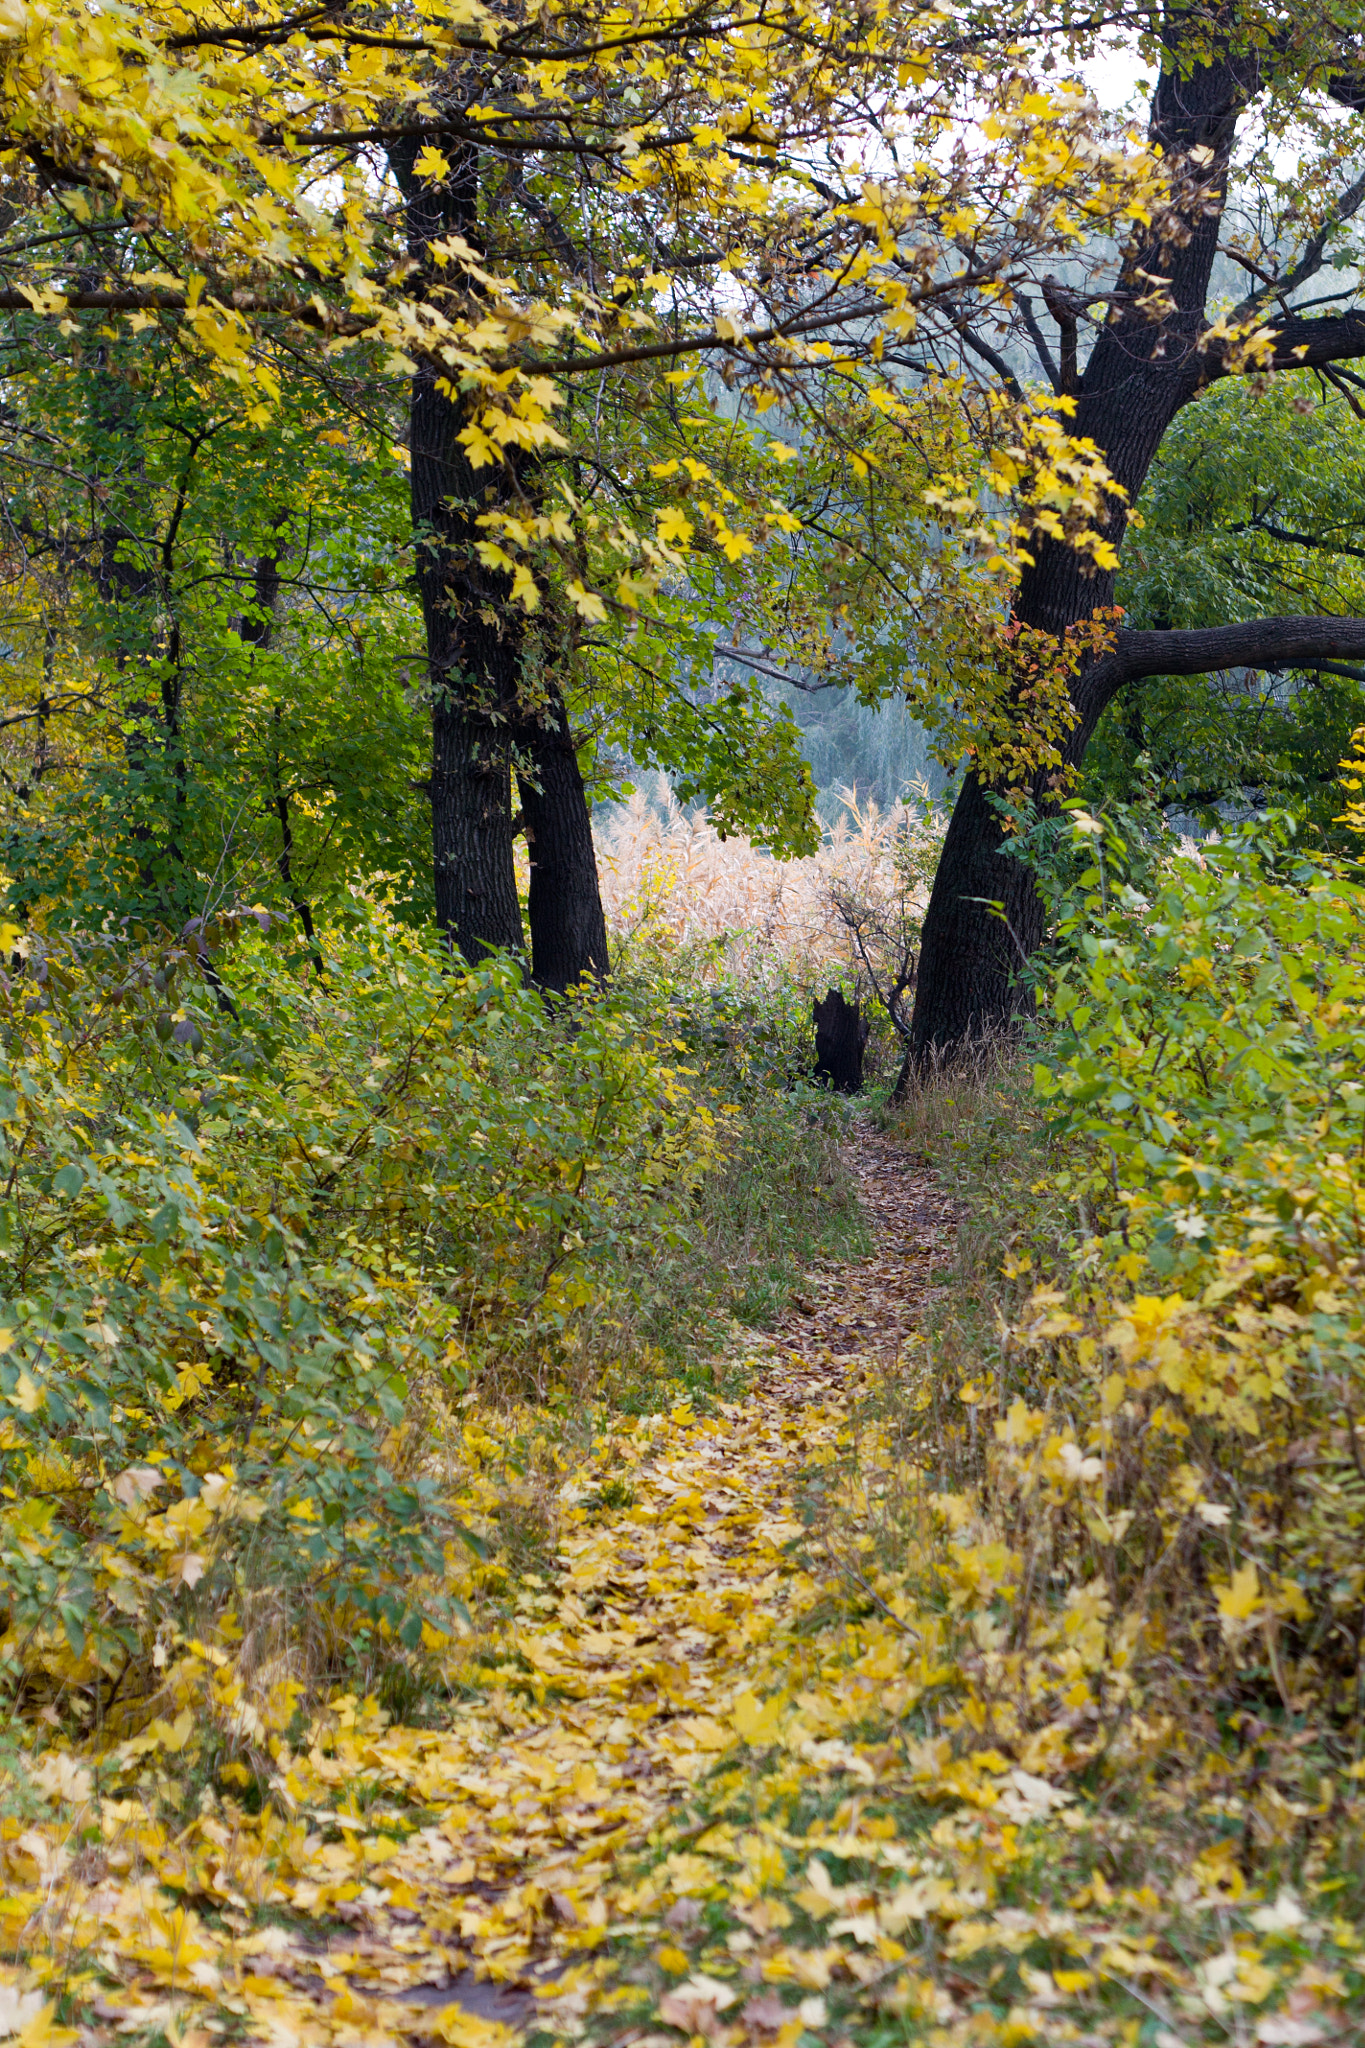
[(209, 613), (1133, 343)]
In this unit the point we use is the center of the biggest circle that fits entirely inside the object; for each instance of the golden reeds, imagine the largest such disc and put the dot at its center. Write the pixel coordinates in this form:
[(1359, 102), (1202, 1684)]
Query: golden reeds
[(667, 875)]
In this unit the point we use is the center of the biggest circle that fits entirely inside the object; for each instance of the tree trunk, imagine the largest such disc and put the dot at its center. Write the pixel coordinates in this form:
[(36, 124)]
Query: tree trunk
[(256, 628), (473, 633), (1143, 368), (841, 1035), (985, 918), (476, 649), (568, 930)]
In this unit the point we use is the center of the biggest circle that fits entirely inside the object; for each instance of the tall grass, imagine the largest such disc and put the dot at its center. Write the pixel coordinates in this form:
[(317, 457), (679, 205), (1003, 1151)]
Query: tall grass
[(667, 872)]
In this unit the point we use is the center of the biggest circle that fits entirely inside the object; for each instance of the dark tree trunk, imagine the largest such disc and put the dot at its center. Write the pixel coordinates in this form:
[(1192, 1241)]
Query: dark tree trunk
[(257, 629), (473, 633), (984, 916), (482, 724), (984, 920), (568, 930)]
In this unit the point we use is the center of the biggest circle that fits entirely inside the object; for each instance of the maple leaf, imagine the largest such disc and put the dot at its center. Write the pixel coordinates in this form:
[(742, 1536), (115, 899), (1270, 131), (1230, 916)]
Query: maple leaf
[(1241, 1597), (695, 2007), (27, 2017), (586, 603), (61, 1777), (138, 1483), (674, 525)]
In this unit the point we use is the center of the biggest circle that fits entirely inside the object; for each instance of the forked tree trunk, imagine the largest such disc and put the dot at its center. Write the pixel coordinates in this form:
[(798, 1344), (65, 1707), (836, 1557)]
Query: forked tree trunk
[(985, 916), (476, 643)]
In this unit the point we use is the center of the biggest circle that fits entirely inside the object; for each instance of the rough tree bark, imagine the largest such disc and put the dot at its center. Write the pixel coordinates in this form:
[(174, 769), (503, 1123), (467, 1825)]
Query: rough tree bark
[(483, 726), (564, 907), (984, 916), (473, 641)]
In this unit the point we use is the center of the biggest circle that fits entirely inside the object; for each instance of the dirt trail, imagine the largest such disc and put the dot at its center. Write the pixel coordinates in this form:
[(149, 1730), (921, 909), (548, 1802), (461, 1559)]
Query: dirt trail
[(462, 1881), (866, 1311)]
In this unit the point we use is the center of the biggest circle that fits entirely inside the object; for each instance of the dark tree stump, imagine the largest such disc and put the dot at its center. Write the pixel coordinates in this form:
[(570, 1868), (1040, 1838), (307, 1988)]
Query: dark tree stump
[(841, 1035)]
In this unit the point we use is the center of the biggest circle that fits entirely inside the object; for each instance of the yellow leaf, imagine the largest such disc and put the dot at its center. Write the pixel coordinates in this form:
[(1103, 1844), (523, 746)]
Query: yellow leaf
[(674, 525), (181, 1728), (586, 603), (482, 449), (431, 164), (1240, 1599), (461, 2029), (40, 2032), (27, 1397), (754, 1723)]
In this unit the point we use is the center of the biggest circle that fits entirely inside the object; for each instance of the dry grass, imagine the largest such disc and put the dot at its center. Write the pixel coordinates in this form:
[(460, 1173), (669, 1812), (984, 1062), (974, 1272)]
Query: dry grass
[(670, 877)]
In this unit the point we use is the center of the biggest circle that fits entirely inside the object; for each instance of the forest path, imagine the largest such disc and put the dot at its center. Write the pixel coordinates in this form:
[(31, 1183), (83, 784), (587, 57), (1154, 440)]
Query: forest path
[(461, 1882)]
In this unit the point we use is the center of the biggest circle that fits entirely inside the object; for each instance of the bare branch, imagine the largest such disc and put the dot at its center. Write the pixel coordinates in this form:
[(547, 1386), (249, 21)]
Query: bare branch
[(995, 359), (1310, 263), (768, 668), (1039, 340)]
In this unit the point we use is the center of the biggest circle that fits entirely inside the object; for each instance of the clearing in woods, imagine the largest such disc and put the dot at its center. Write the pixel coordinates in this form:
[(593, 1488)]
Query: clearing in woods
[(467, 1881)]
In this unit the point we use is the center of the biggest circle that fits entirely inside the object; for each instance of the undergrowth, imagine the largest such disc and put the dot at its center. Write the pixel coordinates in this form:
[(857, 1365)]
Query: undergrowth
[(310, 1282)]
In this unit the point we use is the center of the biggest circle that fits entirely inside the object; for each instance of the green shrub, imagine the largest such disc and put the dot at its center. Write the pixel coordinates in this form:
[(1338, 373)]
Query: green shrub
[(249, 1253)]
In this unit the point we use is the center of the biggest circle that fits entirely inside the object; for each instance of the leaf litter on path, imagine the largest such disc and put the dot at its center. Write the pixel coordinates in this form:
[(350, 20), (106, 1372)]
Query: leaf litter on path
[(477, 1886), (723, 1778)]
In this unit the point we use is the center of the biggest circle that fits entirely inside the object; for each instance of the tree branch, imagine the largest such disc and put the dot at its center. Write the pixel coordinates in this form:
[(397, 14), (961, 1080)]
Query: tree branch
[(1297, 640), (1339, 668), (1303, 540), (1304, 344), (1310, 263), (1039, 340), (1065, 308), (1275, 644), (995, 359), (769, 668)]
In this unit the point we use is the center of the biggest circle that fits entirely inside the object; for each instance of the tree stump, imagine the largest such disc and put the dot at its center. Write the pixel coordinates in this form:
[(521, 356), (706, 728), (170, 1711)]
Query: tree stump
[(841, 1035)]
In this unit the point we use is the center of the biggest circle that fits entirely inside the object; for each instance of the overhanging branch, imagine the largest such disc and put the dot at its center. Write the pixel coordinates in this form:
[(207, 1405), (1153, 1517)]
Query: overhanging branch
[(1293, 641)]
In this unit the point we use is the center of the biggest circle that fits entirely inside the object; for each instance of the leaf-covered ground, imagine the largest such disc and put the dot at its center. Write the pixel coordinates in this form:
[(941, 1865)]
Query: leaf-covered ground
[(750, 1756), (454, 1880)]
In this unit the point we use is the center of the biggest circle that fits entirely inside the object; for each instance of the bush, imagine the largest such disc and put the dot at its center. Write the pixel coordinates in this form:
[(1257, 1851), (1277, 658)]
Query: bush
[(253, 1245), (1153, 1461)]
